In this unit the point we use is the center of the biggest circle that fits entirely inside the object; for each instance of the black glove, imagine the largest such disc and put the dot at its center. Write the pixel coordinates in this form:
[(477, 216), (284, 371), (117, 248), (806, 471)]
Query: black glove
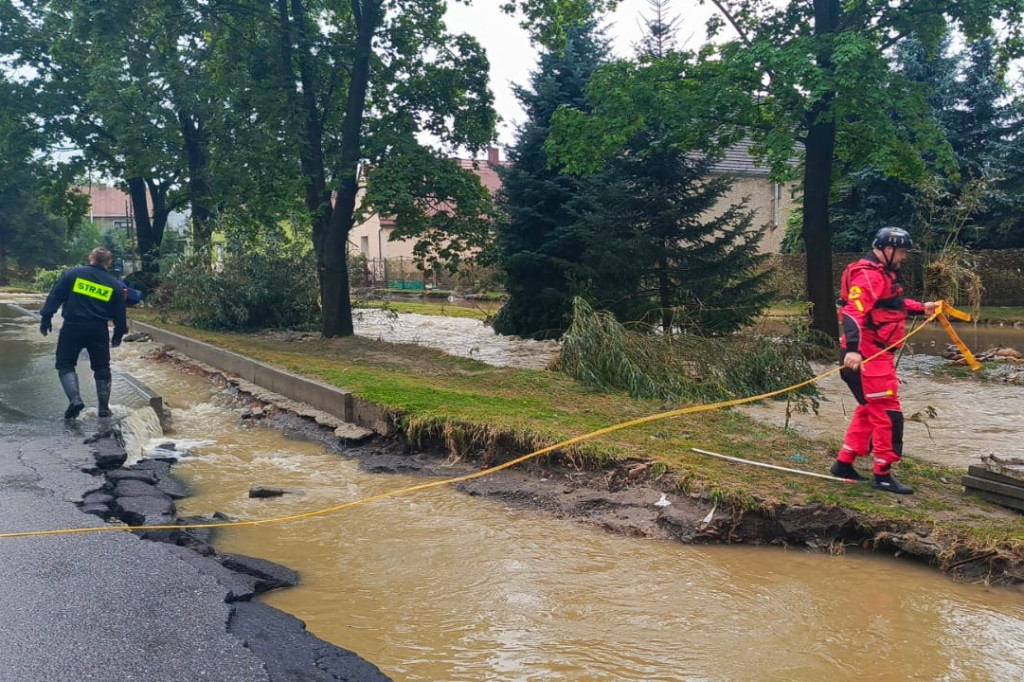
[(116, 341), (45, 325)]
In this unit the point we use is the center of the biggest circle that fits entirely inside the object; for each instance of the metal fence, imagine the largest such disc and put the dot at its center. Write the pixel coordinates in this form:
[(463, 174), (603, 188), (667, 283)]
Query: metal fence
[(1001, 272), (407, 274)]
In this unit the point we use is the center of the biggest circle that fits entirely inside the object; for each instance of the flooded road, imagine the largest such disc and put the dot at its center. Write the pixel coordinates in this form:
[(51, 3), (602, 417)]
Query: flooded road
[(933, 339), (442, 587), (31, 399), (460, 336)]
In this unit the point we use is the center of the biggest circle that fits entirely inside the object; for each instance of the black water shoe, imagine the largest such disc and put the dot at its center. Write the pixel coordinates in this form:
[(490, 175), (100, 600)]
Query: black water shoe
[(889, 484), (844, 470)]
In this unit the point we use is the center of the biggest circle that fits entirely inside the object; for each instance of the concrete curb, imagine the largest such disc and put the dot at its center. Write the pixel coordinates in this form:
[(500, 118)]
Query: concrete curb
[(155, 401), (334, 401)]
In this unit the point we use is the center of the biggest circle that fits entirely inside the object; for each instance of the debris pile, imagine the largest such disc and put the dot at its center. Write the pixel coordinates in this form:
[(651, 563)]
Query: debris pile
[(997, 354), (999, 480)]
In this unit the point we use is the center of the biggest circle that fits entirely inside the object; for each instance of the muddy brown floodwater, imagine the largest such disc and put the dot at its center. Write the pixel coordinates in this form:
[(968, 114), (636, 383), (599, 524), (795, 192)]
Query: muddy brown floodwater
[(439, 586)]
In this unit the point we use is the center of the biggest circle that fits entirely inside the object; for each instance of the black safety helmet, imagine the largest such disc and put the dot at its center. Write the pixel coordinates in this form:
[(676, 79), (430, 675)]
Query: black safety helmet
[(892, 236)]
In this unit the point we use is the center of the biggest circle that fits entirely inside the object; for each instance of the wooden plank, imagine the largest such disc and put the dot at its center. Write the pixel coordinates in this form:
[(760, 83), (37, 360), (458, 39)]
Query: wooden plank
[(993, 487), (1010, 467), (982, 472), (1011, 502)]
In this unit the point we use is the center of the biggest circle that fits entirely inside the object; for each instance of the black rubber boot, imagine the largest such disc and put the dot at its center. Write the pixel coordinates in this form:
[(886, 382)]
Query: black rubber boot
[(69, 382), (889, 484), (844, 470), (103, 396)]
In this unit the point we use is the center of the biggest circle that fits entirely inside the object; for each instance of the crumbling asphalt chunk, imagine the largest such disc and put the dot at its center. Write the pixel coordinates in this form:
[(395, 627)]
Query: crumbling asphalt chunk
[(291, 652), (268, 575)]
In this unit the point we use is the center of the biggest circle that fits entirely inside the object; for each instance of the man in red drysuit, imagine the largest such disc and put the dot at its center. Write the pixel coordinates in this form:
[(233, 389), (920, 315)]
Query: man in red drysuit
[(873, 316)]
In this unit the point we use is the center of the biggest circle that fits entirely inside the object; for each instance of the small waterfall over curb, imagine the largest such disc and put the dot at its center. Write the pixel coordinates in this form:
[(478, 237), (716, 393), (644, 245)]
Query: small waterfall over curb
[(135, 430)]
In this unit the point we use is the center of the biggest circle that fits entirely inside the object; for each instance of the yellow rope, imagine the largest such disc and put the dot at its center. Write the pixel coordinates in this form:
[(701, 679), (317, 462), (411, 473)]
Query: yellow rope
[(693, 409)]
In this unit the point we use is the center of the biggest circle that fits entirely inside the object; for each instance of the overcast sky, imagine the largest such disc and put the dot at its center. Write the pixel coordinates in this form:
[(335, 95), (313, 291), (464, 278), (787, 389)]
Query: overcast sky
[(513, 58)]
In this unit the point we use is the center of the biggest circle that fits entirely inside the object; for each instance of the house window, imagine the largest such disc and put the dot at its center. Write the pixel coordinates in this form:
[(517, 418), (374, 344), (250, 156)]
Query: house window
[(776, 200), (364, 246)]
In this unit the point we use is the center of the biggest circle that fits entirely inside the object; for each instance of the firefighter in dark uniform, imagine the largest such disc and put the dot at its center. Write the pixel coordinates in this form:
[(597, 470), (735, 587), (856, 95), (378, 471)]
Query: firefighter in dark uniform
[(90, 297), (873, 313)]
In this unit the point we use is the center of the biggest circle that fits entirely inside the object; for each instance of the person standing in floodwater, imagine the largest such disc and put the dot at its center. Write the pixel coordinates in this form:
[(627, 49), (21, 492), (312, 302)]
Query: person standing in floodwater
[(873, 314), (90, 297)]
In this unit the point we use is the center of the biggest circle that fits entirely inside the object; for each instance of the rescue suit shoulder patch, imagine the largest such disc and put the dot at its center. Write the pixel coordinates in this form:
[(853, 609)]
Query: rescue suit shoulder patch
[(92, 289)]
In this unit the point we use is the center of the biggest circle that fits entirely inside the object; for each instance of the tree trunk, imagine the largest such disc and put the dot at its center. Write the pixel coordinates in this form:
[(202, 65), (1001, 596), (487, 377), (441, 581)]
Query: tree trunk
[(820, 148), (3, 265), (318, 200), (198, 183), (665, 295), (337, 308), (149, 231), (816, 231)]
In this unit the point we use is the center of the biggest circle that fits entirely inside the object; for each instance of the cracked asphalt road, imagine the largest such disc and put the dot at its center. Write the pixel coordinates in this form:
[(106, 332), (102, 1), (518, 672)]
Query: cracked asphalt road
[(109, 605), (99, 605)]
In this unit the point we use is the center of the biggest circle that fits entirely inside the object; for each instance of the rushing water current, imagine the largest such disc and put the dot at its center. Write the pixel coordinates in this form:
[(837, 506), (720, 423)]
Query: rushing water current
[(456, 336), (438, 586), (950, 421)]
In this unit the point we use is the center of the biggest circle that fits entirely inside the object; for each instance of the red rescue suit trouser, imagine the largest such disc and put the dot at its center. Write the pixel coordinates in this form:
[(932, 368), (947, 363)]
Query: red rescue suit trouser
[(877, 423)]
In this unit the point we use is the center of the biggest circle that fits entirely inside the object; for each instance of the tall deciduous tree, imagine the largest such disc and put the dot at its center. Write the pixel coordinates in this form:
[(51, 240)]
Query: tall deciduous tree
[(823, 75), (354, 84), (36, 208), (163, 93), (350, 86), (120, 82), (537, 242)]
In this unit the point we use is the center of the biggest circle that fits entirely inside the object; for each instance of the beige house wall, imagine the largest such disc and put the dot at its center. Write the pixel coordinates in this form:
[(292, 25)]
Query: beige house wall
[(369, 239), (772, 203)]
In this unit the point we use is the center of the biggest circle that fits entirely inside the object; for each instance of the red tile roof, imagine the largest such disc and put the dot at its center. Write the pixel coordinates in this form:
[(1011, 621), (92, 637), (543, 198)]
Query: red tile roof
[(484, 169), (108, 202)]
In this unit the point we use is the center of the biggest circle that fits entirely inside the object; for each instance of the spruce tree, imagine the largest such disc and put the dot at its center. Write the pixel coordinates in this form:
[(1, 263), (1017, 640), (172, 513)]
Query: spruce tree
[(538, 248), (986, 128), (653, 253)]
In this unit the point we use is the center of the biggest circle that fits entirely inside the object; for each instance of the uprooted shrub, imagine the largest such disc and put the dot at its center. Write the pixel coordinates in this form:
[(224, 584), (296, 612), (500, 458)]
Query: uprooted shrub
[(263, 282), (602, 353)]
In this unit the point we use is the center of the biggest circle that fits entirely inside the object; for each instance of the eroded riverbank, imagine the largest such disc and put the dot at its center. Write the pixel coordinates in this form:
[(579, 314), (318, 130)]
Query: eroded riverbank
[(966, 525)]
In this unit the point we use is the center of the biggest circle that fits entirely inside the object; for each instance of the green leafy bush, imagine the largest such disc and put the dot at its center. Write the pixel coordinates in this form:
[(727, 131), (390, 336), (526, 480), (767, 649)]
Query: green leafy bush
[(266, 281), (45, 279)]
